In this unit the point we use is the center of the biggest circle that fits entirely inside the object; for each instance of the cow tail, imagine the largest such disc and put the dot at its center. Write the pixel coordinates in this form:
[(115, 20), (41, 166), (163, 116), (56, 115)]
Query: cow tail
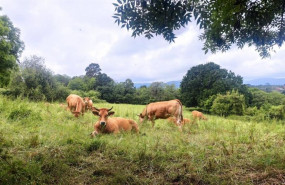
[(77, 106), (180, 111)]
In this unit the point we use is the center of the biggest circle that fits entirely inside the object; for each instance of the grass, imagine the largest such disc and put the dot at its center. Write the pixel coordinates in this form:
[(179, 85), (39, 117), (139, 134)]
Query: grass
[(44, 144)]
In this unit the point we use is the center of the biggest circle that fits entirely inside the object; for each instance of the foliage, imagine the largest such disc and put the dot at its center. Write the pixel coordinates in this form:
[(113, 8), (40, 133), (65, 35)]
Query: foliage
[(277, 112), (11, 48), (207, 104), (76, 83), (63, 79), (259, 98), (231, 103), (205, 80), (36, 82), (92, 70), (224, 23)]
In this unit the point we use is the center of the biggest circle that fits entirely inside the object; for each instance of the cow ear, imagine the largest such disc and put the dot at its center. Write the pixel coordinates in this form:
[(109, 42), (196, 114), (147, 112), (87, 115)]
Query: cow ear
[(111, 113), (96, 113)]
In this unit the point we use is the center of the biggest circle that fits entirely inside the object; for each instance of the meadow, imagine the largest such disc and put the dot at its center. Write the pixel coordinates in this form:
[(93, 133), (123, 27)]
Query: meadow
[(41, 143)]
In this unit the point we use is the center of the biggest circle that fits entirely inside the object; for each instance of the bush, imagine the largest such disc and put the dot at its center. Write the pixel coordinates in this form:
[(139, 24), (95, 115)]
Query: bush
[(251, 111), (231, 103), (207, 104), (276, 112)]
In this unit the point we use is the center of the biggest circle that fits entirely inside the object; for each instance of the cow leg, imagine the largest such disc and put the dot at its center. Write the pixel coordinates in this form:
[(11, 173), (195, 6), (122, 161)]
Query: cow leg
[(152, 121), (94, 133), (179, 124)]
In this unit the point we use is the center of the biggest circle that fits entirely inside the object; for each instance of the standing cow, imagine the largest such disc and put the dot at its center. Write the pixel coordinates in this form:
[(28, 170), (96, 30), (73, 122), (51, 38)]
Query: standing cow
[(88, 103), (111, 125), (75, 104), (163, 110)]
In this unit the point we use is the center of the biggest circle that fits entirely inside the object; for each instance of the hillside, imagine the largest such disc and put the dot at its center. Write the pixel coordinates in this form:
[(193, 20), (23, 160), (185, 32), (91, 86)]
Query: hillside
[(42, 143), (175, 83), (266, 81)]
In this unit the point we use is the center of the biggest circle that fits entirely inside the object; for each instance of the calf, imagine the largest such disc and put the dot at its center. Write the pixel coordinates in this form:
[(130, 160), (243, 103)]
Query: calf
[(111, 125), (88, 103), (198, 115)]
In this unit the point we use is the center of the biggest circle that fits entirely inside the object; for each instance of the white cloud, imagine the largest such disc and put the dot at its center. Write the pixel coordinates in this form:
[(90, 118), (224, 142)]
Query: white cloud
[(70, 35)]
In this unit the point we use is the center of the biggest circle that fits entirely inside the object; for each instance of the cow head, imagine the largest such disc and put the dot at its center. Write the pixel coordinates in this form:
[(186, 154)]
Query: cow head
[(86, 100), (103, 114), (141, 117)]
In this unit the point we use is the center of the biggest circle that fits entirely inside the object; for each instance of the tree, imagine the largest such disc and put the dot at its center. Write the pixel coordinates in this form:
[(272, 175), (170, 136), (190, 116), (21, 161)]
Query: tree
[(105, 85), (225, 22), (11, 48), (76, 83), (230, 103), (93, 70), (156, 91), (36, 82), (205, 80), (142, 95), (63, 79)]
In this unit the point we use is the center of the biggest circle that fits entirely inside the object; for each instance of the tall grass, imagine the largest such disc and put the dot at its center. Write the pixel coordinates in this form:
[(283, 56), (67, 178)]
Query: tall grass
[(44, 144)]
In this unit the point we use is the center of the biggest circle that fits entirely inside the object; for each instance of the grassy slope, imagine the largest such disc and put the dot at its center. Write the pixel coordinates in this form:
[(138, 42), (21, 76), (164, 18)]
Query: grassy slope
[(45, 144)]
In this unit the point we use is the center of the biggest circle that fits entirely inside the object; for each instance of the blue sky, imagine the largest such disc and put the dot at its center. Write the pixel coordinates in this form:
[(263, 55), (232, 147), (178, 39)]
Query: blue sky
[(71, 34)]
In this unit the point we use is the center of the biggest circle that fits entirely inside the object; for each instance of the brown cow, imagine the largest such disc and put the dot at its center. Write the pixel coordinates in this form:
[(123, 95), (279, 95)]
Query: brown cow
[(198, 115), (111, 125), (75, 104), (163, 110), (173, 120), (88, 103)]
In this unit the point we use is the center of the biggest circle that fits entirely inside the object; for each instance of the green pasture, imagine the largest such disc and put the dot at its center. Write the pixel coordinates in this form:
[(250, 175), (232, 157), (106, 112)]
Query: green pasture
[(42, 143)]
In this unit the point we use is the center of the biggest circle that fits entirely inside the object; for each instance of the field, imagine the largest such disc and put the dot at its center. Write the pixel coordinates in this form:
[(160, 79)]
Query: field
[(41, 143)]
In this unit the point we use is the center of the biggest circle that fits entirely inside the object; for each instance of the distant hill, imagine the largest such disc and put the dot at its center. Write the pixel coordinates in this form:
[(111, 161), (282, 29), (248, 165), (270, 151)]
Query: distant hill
[(175, 83), (266, 81), (255, 82)]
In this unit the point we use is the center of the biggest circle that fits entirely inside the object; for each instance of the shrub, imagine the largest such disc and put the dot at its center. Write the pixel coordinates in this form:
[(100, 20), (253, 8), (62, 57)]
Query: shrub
[(276, 112), (230, 103)]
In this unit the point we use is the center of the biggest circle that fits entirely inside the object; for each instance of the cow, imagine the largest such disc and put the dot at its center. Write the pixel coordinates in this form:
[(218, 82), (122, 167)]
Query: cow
[(105, 124), (163, 110), (88, 103), (198, 115), (173, 120), (75, 104)]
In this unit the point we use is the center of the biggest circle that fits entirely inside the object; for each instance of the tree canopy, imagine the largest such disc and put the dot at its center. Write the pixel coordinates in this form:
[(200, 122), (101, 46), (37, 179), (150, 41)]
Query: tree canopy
[(223, 22), (93, 70), (204, 80), (11, 48)]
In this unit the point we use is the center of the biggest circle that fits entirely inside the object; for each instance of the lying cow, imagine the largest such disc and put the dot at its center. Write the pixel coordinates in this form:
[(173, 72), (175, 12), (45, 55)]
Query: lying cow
[(163, 110), (198, 115), (75, 104), (88, 103), (184, 121), (111, 125)]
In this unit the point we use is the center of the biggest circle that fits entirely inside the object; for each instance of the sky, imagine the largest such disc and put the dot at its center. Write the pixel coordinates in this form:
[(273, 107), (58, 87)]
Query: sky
[(71, 34)]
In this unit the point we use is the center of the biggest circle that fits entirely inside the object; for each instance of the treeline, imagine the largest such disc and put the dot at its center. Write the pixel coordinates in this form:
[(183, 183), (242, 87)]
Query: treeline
[(206, 87), (36, 82)]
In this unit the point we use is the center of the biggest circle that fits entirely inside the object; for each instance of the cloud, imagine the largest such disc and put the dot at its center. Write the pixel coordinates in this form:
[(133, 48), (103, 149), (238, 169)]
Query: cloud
[(70, 35)]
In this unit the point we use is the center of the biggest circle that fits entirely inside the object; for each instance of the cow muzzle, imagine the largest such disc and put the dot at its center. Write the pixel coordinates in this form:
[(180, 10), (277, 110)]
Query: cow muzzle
[(103, 123)]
